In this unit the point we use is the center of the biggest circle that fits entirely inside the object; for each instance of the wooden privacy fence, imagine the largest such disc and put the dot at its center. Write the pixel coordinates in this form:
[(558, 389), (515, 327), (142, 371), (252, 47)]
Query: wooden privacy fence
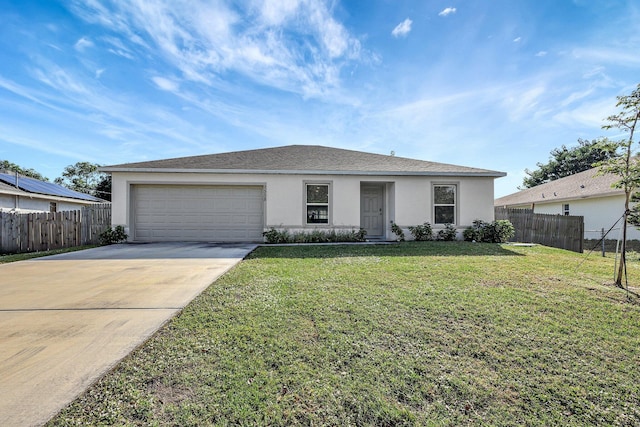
[(558, 231), (42, 231)]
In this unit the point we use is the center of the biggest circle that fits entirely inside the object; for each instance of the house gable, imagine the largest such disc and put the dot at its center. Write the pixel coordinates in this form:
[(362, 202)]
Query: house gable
[(303, 159)]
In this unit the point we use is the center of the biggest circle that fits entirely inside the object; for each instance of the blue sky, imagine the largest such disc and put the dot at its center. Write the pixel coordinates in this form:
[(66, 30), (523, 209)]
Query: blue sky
[(495, 84)]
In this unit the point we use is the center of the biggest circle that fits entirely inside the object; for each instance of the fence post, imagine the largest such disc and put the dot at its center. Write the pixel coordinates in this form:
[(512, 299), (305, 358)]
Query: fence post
[(603, 241)]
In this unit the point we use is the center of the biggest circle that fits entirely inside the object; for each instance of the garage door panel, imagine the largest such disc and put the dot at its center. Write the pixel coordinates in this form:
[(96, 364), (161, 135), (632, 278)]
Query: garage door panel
[(198, 213), (255, 220)]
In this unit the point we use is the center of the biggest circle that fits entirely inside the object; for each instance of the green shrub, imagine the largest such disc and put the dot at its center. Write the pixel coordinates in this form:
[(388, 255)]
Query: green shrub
[(395, 228), (421, 232), (499, 231), (276, 236), (113, 235), (503, 230), (273, 236), (471, 234), (449, 234)]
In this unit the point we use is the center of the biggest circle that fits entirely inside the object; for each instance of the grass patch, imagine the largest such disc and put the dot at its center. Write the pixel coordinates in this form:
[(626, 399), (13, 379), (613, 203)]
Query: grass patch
[(30, 255), (413, 334)]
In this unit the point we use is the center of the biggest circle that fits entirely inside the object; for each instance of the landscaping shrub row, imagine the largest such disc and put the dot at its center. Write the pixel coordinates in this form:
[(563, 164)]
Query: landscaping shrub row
[(316, 236), (499, 231)]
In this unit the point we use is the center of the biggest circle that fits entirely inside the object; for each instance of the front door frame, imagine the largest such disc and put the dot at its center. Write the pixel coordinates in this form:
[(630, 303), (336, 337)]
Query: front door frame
[(380, 231)]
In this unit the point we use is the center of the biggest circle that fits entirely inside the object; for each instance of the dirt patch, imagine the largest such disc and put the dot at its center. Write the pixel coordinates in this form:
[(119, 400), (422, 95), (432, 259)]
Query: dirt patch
[(168, 394)]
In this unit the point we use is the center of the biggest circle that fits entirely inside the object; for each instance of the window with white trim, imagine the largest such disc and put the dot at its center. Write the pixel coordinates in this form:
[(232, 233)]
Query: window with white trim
[(444, 203), (565, 209), (53, 207), (317, 203)]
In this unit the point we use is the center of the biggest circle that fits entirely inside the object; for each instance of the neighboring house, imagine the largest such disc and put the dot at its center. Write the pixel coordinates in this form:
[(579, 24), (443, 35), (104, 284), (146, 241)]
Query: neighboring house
[(236, 196), (584, 194), (21, 194)]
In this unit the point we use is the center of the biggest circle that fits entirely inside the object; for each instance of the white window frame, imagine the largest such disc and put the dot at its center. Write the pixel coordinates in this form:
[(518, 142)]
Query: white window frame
[(307, 204), (565, 209), (435, 205)]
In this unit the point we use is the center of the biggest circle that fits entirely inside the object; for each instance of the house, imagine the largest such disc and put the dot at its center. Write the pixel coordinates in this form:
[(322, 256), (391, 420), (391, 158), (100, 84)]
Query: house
[(22, 194), (236, 196), (585, 194)]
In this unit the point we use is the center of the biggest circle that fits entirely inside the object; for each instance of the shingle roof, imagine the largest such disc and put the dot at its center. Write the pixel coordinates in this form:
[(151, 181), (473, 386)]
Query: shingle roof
[(302, 159), (578, 186)]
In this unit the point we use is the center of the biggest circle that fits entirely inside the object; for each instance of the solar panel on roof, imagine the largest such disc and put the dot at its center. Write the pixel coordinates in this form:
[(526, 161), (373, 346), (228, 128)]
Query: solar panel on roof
[(41, 187)]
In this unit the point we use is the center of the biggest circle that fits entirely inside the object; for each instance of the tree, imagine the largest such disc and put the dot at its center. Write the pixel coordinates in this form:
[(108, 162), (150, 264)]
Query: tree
[(627, 167), (85, 177), (568, 161), (8, 166), (103, 189)]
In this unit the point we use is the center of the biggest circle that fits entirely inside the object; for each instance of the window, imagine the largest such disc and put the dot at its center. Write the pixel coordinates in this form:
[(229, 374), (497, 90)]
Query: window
[(444, 204), (317, 203), (565, 209), (53, 207)]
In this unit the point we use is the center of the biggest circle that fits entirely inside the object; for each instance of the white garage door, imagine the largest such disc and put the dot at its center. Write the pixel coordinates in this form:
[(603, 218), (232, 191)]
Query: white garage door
[(198, 213)]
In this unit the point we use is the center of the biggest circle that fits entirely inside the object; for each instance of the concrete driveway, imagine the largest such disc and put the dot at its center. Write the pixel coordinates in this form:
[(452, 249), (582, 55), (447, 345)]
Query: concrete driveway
[(67, 319)]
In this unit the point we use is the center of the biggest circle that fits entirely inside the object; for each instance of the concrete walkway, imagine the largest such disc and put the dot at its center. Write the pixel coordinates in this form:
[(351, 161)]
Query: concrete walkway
[(67, 319)]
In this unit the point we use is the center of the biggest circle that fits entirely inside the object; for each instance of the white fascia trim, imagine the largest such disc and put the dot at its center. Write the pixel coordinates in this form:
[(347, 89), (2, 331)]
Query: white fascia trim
[(303, 172), (50, 198)]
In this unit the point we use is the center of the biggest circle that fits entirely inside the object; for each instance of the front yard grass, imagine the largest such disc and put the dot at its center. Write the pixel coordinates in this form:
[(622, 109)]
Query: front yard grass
[(431, 333), (6, 258)]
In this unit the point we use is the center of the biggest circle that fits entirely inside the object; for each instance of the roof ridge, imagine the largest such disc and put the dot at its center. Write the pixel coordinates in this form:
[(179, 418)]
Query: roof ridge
[(300, 158)]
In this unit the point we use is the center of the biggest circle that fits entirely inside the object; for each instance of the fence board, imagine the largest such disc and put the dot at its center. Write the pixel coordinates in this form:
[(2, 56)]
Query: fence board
[(43, 231), (558, 231)]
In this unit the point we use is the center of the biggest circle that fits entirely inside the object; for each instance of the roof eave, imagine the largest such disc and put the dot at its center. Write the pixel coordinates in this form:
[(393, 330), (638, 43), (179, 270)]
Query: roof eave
[(493, 174), (560, 199), (13, 192), (51, 197)]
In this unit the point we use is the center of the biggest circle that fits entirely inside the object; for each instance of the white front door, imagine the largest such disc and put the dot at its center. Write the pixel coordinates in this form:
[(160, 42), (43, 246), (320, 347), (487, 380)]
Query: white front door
[(372, 209)]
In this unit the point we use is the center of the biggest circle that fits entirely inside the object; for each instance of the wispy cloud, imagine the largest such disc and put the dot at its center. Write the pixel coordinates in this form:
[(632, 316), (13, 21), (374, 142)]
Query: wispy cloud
[(82, 44), (276, 12), (520, 103), (586, 114), (402, 29), (59, 79), (607, 55), (118, 47), (448, 11), (73, 97), (290, 45), (14, 136), (541, 53), (517, 39), (166, 84)]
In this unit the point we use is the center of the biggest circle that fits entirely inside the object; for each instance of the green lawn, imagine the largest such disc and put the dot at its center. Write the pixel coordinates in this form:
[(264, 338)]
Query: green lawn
[(432, 333), (30, 255)]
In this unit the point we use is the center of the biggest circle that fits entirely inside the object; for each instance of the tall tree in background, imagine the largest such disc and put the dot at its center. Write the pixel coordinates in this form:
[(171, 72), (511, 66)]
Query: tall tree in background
[(85, 177), (568, 161), (627, 167), (103, 189), (12, 167)]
